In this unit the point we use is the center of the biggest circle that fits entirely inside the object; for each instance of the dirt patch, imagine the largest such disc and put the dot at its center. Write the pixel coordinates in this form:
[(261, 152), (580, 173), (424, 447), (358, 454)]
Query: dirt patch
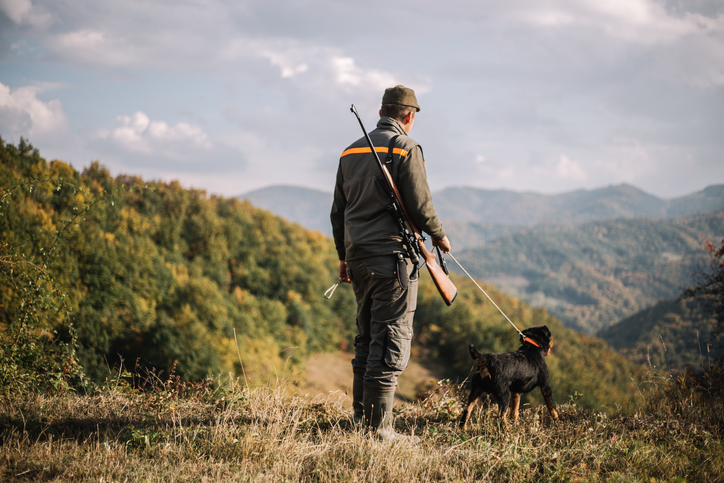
[(330, 372)]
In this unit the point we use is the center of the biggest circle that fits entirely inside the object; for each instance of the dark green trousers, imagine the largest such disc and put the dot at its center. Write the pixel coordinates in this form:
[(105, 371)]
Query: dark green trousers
[(386, 301)]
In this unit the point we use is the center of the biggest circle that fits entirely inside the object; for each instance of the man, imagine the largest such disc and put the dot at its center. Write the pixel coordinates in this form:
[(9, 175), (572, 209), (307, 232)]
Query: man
[(373, 257)]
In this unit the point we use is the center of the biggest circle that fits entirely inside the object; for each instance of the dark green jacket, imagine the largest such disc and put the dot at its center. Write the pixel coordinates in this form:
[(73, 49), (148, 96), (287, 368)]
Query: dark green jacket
[(361, 225)]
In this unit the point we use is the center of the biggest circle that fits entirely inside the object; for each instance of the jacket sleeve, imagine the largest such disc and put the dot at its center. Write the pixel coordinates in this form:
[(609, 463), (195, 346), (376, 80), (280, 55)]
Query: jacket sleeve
[(415, 193), (337, 215)]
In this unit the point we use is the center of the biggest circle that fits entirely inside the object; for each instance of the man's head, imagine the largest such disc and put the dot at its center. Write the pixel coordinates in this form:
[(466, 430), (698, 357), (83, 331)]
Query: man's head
[(400, 103)]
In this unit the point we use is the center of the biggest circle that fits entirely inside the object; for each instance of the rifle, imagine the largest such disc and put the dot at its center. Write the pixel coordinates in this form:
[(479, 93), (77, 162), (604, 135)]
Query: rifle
[(411, 237)]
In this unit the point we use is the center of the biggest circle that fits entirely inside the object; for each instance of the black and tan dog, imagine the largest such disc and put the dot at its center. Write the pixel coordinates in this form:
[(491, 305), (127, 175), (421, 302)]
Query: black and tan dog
[(508, 375)]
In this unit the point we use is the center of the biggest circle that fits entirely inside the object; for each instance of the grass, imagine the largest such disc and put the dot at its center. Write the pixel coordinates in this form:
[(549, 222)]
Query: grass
[(175, 432)]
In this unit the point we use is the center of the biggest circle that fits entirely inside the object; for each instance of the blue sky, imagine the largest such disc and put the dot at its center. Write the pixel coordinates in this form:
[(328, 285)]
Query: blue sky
[(536, 95)]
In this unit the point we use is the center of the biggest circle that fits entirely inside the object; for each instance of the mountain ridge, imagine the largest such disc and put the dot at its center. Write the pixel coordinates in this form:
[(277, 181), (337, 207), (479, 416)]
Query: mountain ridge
[(310, 207)]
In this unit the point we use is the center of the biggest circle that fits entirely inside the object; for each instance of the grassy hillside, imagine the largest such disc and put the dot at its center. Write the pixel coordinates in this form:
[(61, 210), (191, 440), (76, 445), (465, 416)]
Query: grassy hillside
[(197, 285), (180, 433), (594, 275), (670, 335)]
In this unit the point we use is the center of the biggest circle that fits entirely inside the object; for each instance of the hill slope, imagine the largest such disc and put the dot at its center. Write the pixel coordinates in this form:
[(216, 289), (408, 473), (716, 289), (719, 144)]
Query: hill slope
[(670, 335), (200, 285), (596, 274)]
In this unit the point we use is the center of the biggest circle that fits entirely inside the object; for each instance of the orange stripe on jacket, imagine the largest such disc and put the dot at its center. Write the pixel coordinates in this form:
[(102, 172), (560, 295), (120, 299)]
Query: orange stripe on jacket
[(400, 151)]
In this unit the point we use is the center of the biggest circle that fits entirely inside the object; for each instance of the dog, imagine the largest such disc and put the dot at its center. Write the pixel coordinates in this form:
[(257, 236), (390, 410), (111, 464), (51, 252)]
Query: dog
[(508, 375)]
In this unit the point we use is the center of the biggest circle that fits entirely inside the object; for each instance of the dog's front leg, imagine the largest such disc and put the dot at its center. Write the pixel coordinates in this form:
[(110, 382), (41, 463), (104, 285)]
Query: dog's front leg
[(514, 405), (548, 398)]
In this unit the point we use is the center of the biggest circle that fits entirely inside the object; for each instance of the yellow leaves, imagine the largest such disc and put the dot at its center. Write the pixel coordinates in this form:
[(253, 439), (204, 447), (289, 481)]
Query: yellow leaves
[(295, 297), (42, 215), (146, 311), (61, 169), (180, 273), (135, 223), (81, 198), (260, 357), (240, 295)]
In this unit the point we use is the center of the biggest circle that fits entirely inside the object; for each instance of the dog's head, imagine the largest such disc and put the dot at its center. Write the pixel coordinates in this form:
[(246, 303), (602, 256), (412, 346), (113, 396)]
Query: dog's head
[(538, 336)]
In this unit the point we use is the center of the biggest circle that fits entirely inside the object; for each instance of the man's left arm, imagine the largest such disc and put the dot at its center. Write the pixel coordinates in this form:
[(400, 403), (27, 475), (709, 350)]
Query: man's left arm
[(337, 218)]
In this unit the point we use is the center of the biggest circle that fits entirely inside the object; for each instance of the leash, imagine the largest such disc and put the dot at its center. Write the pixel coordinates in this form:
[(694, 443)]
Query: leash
[(491, 300), (330, 291)]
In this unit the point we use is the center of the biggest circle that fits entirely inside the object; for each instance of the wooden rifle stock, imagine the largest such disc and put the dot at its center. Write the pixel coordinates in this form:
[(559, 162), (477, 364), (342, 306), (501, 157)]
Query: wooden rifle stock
[(442, 281)]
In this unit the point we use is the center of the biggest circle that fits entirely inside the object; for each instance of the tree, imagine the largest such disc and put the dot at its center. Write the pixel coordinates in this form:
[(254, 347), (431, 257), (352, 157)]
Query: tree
[(710, 286)]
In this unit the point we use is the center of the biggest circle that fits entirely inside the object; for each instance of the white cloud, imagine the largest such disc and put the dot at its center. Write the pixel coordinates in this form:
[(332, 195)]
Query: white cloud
[(349, 75), (567, 168), (23, 114), (22, 12), (138, 134), (521, 81), (323, 65), (636, 21), (89, 46)]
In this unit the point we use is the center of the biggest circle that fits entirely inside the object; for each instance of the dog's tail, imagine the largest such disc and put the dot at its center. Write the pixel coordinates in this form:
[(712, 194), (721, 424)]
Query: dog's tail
[(474, 353)]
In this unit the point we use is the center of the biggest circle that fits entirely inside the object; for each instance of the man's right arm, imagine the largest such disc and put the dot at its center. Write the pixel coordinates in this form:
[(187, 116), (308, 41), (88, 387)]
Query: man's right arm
[(417, 198), (443, 244)]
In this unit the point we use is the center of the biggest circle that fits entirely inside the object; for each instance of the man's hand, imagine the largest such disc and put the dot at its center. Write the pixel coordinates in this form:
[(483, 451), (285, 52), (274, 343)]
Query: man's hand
[(443, 245), (343, 272)]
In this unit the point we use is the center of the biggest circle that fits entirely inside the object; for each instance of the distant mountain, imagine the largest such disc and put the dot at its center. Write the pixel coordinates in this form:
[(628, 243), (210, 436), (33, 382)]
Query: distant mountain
[(591, 257), (310, 208), (621, 201), (669, 335), (493, 213), (591, 276), (467, 235)]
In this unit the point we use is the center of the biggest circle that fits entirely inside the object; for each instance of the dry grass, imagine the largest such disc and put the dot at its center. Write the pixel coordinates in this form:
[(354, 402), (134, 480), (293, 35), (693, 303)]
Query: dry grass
[(327, 372), (272, 434)]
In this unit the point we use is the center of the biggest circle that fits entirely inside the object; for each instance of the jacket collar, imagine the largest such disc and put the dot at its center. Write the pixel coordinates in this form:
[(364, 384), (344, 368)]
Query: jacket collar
[(389, 124)]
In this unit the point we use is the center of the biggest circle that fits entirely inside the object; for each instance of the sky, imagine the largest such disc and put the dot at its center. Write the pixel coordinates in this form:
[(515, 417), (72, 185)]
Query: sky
[(547, 96)]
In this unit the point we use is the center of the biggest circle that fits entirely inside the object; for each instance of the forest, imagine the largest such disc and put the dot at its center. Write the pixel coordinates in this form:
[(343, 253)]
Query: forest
[(101, 275), (593, 275), (670, 335)]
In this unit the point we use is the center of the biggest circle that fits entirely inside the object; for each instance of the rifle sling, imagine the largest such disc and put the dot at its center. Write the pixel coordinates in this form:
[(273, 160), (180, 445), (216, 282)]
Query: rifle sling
[(390, 168)]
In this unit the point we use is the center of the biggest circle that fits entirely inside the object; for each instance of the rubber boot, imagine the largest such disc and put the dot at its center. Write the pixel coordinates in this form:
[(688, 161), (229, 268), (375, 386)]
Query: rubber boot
[(358, 407), (378, 416)]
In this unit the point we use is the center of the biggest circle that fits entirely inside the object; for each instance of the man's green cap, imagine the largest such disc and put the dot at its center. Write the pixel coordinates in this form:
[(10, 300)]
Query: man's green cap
[(402, 96)]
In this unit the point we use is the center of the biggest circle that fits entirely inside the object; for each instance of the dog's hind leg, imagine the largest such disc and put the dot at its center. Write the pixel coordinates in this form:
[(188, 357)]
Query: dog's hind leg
[(514, 405), (475, 392), (503, 400)]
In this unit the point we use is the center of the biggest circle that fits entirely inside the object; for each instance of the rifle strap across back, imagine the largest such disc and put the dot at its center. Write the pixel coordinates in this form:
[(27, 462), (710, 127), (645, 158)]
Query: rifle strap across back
[(388, 159), (390, 168)]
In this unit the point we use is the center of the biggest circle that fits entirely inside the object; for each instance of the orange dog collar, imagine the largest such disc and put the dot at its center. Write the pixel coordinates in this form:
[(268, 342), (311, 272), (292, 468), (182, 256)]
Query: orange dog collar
[(528, 339)]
